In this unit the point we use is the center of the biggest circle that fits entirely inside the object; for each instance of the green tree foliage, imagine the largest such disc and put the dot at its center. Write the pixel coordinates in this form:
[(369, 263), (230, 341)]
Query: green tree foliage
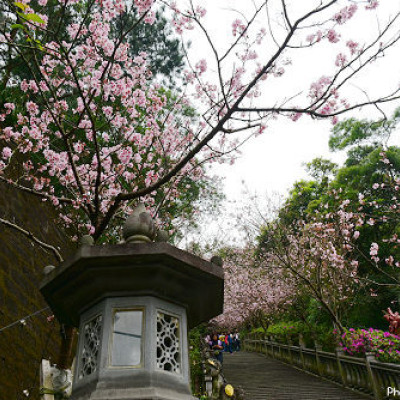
[(364, 167), (353, 132), (304, 197), (164, 51), (321, 169), (366, 180), (13, 67)]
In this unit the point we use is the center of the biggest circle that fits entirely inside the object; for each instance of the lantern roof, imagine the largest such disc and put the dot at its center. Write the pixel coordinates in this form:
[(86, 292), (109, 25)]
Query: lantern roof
[(134, 269)]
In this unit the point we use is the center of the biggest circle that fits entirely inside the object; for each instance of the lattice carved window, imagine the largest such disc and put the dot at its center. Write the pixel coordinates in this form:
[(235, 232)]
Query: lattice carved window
[(168, 343), (91, 345)]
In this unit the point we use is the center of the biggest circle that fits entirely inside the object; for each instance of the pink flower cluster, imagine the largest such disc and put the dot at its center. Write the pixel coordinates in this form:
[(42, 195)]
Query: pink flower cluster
[(118, 132), (372, 5), (385, 345), (249, 290), (238, 27), (345, 14)]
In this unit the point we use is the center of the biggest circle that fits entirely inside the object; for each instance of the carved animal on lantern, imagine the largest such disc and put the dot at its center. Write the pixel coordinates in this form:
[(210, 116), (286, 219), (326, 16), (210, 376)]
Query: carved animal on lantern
[(220, 389), (213, 368)]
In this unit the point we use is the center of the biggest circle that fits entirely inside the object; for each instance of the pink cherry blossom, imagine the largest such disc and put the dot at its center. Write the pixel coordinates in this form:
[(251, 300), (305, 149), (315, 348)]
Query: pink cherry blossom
[(6, 153), (374, 249), (341, 60), (238, 27), (333, 36), (32, 108), (345, 14), (372, 4), (101, 128)]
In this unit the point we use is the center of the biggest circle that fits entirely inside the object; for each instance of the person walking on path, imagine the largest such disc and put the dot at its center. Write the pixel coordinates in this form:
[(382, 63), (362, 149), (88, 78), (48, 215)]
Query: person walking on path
[(230, 342), (222, 339), (217, 346), (237, 337)]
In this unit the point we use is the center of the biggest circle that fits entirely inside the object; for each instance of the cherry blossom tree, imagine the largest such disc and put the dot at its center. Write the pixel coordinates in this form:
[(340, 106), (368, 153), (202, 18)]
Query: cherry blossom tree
[(345, 247), (91, 123), (318, 256), (381, 212), (93, 133), (250, 292)]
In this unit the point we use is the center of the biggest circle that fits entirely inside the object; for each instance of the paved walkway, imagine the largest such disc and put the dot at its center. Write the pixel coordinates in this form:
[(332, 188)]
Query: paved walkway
[(263, 378)]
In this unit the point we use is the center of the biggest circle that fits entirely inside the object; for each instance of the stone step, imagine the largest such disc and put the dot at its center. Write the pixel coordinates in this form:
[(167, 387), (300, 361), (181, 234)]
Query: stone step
[(264, 378)]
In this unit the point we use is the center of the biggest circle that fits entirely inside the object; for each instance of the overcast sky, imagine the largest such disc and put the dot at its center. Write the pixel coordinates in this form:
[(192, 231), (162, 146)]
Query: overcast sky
[(273, 161)]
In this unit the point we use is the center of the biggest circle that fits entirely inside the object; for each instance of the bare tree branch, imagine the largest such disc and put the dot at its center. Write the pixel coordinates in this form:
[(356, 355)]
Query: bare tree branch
[(34, 239)]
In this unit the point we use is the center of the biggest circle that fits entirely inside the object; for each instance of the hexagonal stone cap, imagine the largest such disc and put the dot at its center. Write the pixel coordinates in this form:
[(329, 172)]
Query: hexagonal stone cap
[(135, 269)]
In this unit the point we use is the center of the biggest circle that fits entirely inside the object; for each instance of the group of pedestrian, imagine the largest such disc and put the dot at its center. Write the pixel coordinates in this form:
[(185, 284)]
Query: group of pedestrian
[(223, 342)]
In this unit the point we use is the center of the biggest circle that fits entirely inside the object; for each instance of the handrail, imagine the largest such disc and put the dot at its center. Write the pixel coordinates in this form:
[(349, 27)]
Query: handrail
[(366, 375)]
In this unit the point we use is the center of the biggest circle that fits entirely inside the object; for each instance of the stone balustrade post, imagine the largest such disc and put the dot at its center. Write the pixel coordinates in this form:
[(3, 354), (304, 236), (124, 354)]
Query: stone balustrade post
[(340, 353), (302, 346), (370, 357), (273, 347), (318, 349), (290, 344), (264, 344), (302, 342), (280, 350)]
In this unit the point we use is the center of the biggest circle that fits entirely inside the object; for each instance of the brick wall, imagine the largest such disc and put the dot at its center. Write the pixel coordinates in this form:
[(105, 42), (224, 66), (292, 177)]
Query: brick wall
[(21, 264)]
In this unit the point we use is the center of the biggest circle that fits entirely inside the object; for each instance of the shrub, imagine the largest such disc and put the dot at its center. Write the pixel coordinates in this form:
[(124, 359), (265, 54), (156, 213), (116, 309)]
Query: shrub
[(385, 345), (284, 331), (290, 330)]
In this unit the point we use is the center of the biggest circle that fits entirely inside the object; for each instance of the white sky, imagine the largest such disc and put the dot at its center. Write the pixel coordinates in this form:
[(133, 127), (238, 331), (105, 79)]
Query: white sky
[(273, 161)]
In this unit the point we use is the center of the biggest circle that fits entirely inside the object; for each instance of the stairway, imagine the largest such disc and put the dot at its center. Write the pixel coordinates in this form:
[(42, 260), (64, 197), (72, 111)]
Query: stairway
[(264, 378)]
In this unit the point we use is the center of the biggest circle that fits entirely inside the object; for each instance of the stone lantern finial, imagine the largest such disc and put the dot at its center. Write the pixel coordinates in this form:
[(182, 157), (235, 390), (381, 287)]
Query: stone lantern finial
[(86, 240), (139, 226), (162, 236), (217, 260)]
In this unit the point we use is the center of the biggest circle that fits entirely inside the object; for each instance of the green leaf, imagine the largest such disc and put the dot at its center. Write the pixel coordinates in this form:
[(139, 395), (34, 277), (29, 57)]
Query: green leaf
[(17, 26), (39, 44), (21, 5), (34, 18)]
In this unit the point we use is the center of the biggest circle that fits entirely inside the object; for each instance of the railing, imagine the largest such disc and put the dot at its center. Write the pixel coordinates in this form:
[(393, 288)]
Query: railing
[(366, 375)]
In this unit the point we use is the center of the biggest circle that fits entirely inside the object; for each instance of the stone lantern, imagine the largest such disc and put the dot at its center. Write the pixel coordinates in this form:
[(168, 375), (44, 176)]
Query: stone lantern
[(133, 303)]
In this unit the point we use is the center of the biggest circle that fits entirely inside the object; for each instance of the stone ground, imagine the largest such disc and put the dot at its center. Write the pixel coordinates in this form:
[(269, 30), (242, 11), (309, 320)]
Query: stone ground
[(263, 378)]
